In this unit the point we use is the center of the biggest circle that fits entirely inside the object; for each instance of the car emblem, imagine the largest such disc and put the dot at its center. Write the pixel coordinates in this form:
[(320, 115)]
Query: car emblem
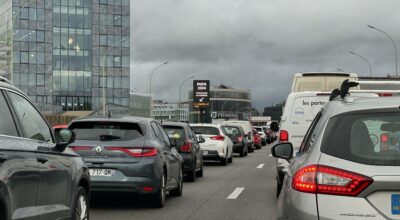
[(98, 149)]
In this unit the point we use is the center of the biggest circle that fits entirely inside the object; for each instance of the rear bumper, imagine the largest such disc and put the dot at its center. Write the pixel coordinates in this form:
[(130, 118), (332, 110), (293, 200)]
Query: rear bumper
[(188, 161), (238, 148), (212, 155), (129, 184)]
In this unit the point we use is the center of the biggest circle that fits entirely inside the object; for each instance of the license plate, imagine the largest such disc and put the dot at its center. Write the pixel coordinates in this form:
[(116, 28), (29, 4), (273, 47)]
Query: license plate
[(396, 204), (102, 172), (205, 152)]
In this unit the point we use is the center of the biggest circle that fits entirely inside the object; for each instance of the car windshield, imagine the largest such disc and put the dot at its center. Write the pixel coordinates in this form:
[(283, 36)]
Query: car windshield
[(175, 132), (372, 138), (206, 130), (106, 131)]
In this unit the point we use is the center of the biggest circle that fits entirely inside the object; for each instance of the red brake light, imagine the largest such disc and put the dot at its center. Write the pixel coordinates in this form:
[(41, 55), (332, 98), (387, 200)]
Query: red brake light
[(283, 136), (328, 180), (385, 94), (136, 152), (218, 138), (78, 148), (240, 138), (384, 138), (186, 147)]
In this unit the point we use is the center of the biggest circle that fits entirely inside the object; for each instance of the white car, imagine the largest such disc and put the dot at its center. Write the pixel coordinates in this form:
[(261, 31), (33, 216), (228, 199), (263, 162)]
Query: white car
[(217, 146)]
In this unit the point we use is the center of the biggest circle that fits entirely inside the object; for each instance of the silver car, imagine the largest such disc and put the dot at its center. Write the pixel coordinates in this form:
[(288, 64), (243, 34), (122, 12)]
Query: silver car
[(348, 164)]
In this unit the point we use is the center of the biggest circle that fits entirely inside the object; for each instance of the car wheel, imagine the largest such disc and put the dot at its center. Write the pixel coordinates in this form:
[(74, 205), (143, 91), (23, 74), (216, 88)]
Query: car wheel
[(159, 196), (200, 172), (242, 153), (178, 190), (191, 175), (230, 160), (224, 161), (81, 205)]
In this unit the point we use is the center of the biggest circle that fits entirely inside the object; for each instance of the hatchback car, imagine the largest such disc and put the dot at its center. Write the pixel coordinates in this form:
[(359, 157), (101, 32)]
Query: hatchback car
[(188, 146), (39, 177), (257, 139), (262, 134), (346, 166), (237, 136), (130, 155), (217, 146)]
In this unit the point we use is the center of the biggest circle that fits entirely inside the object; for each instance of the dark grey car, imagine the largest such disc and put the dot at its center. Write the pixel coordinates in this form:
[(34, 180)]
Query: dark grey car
[(188, 146), (129, 154), (39, 179)]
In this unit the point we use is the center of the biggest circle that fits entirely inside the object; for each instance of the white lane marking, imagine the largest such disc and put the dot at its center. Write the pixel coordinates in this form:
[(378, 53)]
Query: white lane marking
[(235, 193), (260, 166), (270, 155)]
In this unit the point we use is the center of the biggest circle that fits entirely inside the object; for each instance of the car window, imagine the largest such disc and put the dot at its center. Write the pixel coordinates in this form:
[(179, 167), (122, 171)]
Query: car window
[(32, 123), (206, 130), (7, 125), (309, 137), (368, 138), (175, 132), (231, 131), (101, 130), (156, 131), (164, 135)]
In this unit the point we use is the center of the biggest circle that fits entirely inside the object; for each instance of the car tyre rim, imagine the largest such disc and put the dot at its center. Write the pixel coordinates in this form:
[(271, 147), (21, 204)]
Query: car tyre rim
[(81, 208)]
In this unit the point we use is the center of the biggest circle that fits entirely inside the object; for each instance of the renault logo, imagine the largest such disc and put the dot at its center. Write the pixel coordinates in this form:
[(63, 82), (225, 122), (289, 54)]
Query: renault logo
[(98, 149)]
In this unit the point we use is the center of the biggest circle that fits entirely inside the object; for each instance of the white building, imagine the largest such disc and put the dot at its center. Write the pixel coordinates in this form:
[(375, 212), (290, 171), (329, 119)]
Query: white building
[(170, 112)]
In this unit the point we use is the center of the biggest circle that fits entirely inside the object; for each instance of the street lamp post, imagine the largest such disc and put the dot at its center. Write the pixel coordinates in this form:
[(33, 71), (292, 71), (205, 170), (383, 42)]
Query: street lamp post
[(179, 102), (391, 39), (104, 76), (12, 40), (369, 65), (151, 75)]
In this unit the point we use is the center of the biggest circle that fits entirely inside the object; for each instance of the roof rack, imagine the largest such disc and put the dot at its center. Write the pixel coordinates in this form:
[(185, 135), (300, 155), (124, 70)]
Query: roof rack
[(3, 79)]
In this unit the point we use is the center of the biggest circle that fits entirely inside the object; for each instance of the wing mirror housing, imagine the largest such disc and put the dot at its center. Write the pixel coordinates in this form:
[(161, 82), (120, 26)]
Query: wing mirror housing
[(283, 150), (64, 137), (201, 140)]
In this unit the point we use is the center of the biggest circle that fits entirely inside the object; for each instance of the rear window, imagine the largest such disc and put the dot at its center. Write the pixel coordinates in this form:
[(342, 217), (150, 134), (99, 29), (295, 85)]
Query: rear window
[(175, 132), (259, 129), (372, 138), (231, 131), (206, 130), (106, 131)]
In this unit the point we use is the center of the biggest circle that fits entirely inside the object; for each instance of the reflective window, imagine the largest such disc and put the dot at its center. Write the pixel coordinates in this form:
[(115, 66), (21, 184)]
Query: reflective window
[(7, 126)]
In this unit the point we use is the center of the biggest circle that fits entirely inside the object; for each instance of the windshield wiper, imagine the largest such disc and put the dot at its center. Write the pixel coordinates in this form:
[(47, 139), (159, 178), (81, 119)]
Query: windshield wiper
[(109, 137)]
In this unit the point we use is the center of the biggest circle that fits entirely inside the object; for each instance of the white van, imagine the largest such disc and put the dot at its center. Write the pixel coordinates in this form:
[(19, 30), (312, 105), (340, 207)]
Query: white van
[(246, 125), (317, 81)]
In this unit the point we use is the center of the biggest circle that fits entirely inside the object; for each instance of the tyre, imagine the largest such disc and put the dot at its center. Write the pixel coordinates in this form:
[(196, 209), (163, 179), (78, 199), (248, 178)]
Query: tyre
[(258, 147), (191, 175), (178, 190), (246, 152), (158, 199), (242, 153), (230, 160), (224, 161), (200, 173), (81, 205)]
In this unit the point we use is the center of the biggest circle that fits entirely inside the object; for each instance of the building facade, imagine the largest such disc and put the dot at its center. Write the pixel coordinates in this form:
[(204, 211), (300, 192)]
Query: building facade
[(70, 53), (225, 103), (140, 104), (170, 111)]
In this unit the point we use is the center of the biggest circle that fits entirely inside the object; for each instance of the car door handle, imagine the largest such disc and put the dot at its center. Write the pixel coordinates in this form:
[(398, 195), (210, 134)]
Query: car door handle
[(3, 158), (42, 159)]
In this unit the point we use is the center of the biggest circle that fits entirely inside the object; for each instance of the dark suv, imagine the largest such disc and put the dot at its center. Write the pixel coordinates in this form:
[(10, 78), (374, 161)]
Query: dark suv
[(129, 155), (39, 177), (238, 137), (188, 146)]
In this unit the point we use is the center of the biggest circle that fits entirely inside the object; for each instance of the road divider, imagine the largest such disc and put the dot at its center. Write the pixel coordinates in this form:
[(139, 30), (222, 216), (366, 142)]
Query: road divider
[(260, 166), (235, 193)]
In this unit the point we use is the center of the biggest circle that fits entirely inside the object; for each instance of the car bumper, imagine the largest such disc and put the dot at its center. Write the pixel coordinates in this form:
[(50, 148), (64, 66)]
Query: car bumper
[(129, 184), (238, 148), (212, 155), (188, 162)]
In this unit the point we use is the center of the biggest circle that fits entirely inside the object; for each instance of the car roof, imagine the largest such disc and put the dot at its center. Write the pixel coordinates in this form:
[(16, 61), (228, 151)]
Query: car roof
[(205, 125), (353, 104), (132, 119), (171, 123), (6, 85)]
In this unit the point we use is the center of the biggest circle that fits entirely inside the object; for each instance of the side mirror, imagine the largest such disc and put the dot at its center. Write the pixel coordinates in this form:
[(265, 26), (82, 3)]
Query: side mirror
[(64, 137), (283, 150), (201, 140)]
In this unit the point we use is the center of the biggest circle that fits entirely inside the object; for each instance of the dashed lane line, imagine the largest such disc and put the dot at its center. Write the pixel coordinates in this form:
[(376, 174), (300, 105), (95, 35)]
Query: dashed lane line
[(235, 193), (260, 166)]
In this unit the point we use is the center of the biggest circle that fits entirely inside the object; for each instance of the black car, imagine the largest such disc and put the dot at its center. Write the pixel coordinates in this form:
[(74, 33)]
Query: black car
[(188, 146), (39, 177), (237, 135), (129, 154)]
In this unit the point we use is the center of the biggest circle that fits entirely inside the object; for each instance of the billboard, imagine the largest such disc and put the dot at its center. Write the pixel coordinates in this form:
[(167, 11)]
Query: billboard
[(201, 93)]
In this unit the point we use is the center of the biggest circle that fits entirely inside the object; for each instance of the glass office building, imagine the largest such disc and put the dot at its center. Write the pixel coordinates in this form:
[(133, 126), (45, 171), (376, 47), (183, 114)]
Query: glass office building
[(66, 51)]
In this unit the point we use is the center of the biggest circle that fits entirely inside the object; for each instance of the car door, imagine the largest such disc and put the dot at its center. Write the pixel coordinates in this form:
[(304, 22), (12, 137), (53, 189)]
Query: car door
[(19, 172), (55, 170), (172, 158)]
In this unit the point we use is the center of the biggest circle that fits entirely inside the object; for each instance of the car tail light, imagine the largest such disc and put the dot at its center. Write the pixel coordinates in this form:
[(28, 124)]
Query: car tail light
[(186, 147), (283, 136), (385, 94), (218, 138), (240, 139), (147, 188), (136, 152), (79, 148), (322, 179)]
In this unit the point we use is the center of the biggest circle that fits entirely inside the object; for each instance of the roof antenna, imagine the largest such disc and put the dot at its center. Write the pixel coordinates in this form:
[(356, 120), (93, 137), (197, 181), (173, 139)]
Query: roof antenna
[(334, 94), (345, 87)]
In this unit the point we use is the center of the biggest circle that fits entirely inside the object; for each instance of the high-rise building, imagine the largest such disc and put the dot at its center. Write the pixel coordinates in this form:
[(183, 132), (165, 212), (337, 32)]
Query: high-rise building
[(64, 51)]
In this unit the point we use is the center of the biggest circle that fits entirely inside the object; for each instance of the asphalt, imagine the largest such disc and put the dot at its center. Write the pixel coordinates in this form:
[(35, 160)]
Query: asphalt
[(251, 191)]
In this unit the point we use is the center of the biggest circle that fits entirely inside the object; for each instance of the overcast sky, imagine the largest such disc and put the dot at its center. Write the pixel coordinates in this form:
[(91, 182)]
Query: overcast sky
[(257, 44)]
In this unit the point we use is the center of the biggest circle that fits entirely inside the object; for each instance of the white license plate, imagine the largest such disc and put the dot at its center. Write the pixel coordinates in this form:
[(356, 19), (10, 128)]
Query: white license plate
[(205, 152), (102, 172)]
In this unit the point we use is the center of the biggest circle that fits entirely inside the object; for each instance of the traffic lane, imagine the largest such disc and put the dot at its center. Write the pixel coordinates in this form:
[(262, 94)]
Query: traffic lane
[(207, 197)]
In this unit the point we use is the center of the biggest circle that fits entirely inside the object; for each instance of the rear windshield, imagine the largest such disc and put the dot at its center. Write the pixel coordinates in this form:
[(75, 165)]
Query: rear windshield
[(372, 138), (175, 132), (106, 131), (231, 131), (259, 129), (206, 130)]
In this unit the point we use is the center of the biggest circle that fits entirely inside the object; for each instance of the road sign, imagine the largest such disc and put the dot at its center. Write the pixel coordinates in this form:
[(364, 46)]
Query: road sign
[(201, 93)]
